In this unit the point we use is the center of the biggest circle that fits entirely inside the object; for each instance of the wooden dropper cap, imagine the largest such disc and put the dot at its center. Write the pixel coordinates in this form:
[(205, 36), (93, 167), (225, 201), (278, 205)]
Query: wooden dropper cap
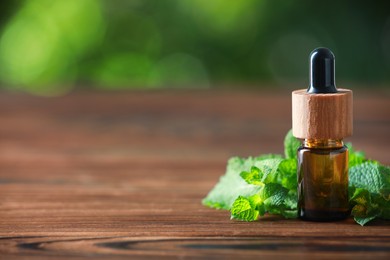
[(322, 112)]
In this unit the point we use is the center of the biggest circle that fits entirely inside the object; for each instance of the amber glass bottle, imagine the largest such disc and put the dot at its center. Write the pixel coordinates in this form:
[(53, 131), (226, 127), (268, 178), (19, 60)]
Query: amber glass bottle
[(323, 180)]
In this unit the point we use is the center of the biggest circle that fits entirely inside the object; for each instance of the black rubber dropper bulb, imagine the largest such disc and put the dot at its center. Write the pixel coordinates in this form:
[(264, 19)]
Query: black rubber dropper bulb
[(322, 67)]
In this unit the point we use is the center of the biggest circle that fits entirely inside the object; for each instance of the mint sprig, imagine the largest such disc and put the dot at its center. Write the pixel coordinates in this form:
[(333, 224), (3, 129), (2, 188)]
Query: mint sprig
[(369, 191), (254, 186)]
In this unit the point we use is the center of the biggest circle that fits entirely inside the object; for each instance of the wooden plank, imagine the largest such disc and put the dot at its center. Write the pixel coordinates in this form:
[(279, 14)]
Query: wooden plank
[(110, 175)]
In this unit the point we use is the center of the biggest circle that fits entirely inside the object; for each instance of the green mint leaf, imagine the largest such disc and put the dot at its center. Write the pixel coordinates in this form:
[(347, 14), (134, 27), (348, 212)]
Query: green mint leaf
[(231, 185), (382, 205), (291, 145), (269, 156), (360, 202), (290, 213), (385, 210), (287, 174), (278, 200), (361, 197), (272, 198), (385, 193), (253, 176), (355, 157), (291, 201), (273, 193), (364, 207), (371, 176), (359, 211), (371, 197), (363, 220), (246, 208), (268, 169)]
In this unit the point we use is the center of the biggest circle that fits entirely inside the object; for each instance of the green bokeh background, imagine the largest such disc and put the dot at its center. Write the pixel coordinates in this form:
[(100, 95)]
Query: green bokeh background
[(50, 47)]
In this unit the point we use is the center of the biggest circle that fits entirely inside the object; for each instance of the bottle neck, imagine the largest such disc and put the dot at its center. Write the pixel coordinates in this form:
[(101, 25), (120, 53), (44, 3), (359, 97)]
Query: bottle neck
[(323, 143)]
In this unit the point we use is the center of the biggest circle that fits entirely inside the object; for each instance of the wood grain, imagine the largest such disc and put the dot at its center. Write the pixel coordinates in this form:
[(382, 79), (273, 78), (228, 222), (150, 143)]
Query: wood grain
[(113, 175), (322, 116)]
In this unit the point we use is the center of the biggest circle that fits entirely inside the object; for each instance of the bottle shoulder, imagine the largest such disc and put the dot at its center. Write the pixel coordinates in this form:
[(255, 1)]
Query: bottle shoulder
[(333, 150)]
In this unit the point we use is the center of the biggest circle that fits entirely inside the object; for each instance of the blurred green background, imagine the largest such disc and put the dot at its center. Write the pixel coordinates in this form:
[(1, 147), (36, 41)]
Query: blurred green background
[(50, 47)]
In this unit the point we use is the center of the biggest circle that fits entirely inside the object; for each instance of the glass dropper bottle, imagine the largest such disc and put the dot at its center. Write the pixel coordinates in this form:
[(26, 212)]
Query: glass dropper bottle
[(322, 117)]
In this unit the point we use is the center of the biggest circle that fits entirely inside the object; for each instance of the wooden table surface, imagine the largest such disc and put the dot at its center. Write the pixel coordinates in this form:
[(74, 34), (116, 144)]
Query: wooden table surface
[(113, 175)]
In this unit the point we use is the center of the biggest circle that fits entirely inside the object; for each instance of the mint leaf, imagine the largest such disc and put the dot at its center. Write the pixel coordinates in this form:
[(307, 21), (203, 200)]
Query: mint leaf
[(268, 169), (355, 157), (272, 198), (273, 193), (361, 197), (385, 209), (287, 174), (264, 171), (371, 197), (231, 185), (278, 200), (371, 176), (253, 176), (291, 200), (275, 177), (269, 156), (363, 220), (291, 145), (246, 208), (290, 205), (363, 207)]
